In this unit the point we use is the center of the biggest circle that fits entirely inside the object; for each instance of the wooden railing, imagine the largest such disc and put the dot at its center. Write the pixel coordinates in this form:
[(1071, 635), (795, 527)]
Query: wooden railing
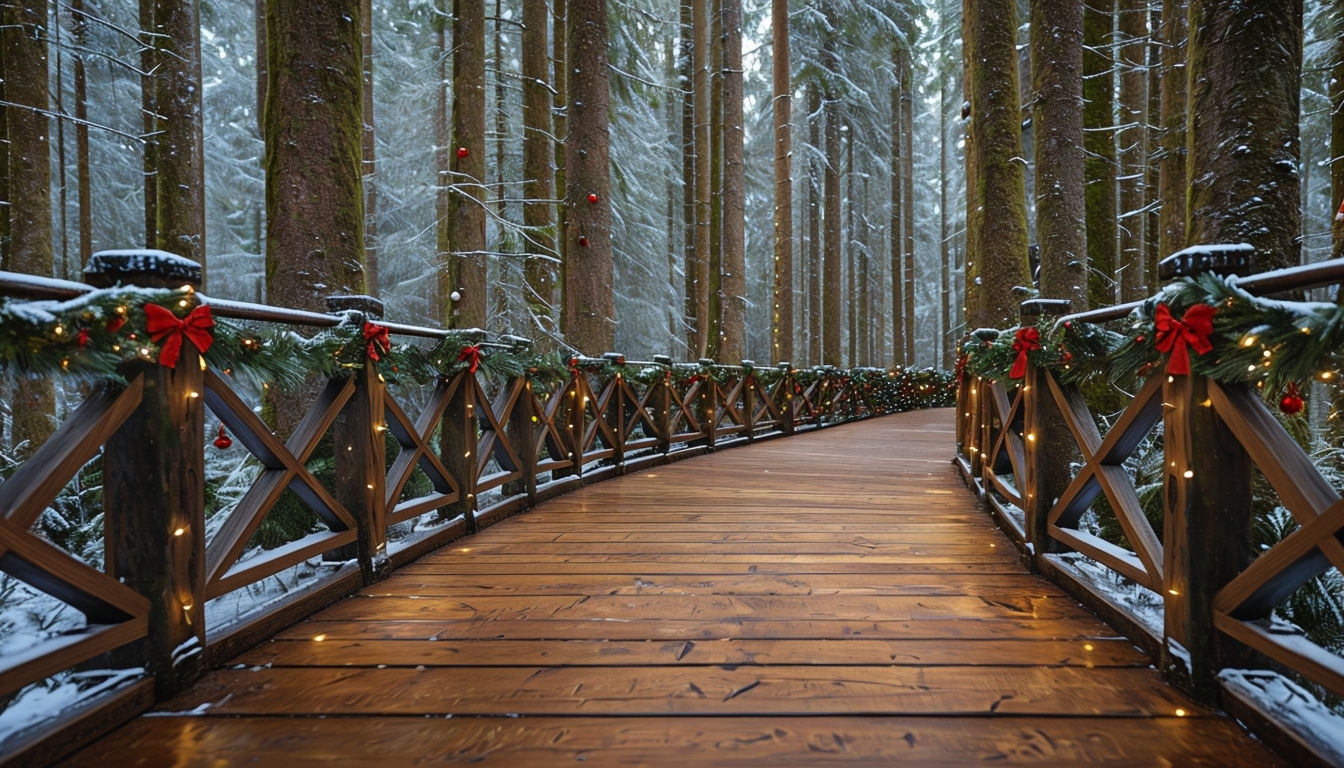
[(475, 449), (1049, 466)]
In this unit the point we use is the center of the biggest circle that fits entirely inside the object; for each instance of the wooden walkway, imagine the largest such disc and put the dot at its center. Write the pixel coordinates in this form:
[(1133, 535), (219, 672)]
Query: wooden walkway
[(833, 598)]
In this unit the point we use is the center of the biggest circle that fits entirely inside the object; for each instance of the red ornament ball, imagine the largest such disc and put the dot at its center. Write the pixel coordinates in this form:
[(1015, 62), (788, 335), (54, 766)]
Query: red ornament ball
[(1291, 403), (463, 152), (583, 241), (223, 440), (592, 198)]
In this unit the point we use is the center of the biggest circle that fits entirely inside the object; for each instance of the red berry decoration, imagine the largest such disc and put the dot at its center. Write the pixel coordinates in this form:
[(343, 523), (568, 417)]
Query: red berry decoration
[(592, 198), (463, 152), (583, 241), (1291, 403), (223, 440)]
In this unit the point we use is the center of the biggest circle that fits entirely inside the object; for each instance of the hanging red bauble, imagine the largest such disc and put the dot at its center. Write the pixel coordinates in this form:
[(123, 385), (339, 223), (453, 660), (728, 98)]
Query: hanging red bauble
[(223, 440), (1291, 403), (463, 152), (592, 198), (583, 241)]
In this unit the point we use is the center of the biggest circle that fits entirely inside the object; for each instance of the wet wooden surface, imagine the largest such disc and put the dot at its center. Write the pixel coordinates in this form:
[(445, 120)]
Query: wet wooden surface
[(832, 598)]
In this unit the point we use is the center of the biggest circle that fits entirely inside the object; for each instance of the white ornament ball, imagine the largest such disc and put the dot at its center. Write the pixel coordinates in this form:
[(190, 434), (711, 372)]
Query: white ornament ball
[(455, 296)]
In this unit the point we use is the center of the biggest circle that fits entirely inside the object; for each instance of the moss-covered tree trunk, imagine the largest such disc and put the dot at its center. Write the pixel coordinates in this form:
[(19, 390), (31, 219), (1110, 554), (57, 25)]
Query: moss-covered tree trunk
[(589, 311), (1245, 73), (538, 167), (999, 250), (781, 327), (1057, 120), (1098, 123), (1132, 137), (314, 194), (28, 128), (734, 302), (179, 173), (465, 271), (1171, 163)]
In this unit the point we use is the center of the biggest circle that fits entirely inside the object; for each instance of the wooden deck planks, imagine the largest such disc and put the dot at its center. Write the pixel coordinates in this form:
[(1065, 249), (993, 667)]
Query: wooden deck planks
[(833, 598)]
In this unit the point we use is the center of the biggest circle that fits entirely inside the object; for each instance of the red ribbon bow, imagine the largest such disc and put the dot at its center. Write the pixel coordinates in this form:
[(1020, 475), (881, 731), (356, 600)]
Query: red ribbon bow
[(472, 355), (1177, 336), (378, 342), (166, 329), (1027, 339)]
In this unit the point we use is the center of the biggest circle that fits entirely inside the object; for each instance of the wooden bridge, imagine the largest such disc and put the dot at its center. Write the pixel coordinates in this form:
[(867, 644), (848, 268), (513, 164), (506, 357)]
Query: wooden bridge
[(834, 598), (832, 589)]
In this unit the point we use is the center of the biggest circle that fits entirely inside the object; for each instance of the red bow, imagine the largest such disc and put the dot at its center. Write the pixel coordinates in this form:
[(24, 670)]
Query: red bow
[(1027, 339), (471, 355), (1176, 336), (165, 328), (378, 342)]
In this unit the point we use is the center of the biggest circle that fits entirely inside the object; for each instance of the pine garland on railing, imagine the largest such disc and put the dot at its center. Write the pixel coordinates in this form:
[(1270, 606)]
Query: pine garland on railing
[(1220, 329)]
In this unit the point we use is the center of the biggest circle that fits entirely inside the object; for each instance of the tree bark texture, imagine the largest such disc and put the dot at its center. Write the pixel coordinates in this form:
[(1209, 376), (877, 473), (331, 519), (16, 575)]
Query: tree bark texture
[(1171, 163), (814, 189), (1245, 71), (1000, 248), (314, 196), (832, 287), (1057, 120), (700, 86), (28, 130), (900, 332), (538, 167), (465, 272), (1098, 122), (781, 329), (714, 332), (1132, 140), (734, 302), (369, 152), (179, 173), (590, 306)]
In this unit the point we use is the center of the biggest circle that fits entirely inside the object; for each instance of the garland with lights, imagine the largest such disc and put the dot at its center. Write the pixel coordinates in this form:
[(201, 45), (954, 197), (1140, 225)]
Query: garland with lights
[(1206, 325)]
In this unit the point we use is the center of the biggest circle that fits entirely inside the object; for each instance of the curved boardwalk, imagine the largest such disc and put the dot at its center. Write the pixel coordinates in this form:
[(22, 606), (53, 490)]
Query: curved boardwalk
[(833, 598)]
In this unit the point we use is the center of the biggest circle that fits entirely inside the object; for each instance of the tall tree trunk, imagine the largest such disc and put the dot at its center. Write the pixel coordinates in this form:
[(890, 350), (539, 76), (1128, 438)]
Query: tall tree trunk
[(149, 120), (1057, 121), (589, 310), (853, 288), (1133, 151), (971, 278), (369, 153), (908, 192), (703, 211), (781, 329), (1171, 165), (814, 198), (84, 194), (733, 348), (179, 172), (1245, 74), (949, 291), (901, 332), (1337, 134), (832, 287), (314, 120), (465, 271), (714, 334), (538, 165), (999, 249), (560, 120), (439, 299), (28, 127), (1099, 140), (689, 191)]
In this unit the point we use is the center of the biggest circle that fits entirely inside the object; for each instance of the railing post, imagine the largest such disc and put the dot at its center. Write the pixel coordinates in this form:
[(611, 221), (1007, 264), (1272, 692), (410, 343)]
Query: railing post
[(1206, 539), (577, 417), (709, 403), (662, 399), (522, 428), (360, 437), (1044, 433), (615, 410), (458, 442), (787, 423), (748, 400), (154, 485)]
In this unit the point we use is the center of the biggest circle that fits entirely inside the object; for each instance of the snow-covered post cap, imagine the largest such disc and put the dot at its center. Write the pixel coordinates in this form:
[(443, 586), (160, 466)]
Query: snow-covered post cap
[(1044, 308), (367, 306), (1220, 259), (145, 267)]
